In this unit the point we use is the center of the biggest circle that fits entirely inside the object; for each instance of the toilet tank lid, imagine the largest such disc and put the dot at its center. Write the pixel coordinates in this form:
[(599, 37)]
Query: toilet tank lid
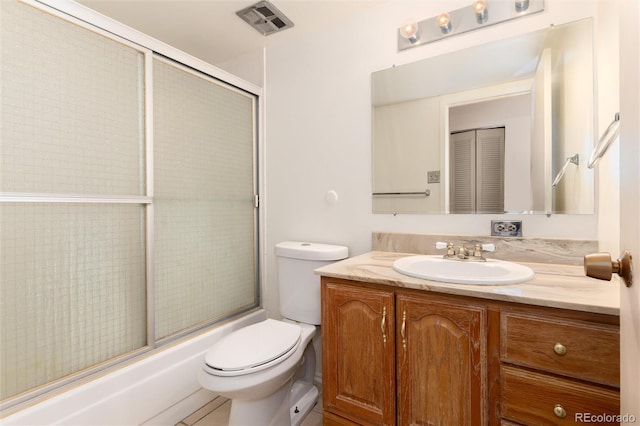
[(311, 251)]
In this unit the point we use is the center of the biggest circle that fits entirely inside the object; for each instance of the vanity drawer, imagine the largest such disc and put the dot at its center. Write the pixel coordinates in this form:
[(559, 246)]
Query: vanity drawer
[(580, 349), (540, 399)]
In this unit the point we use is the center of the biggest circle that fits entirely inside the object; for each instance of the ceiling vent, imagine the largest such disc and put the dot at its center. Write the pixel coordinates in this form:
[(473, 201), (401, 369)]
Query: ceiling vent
[(265, 18)]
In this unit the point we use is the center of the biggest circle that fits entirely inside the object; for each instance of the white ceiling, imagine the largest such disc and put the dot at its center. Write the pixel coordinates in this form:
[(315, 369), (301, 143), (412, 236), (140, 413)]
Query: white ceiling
[(211, 30)]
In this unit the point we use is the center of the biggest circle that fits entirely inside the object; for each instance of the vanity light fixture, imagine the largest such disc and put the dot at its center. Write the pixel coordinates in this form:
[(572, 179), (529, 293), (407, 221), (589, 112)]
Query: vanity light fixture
[(472, 17), (480, 9), (522, 5), (444, 22), (410, 31)]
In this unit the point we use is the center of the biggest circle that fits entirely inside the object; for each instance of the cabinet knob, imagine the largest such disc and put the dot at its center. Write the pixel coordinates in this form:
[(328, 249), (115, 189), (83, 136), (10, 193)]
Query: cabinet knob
[(560, 349), (559, 411)]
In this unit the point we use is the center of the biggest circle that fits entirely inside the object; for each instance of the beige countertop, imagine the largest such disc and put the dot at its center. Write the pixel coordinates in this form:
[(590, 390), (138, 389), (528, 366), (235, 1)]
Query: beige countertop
[(557, 286)]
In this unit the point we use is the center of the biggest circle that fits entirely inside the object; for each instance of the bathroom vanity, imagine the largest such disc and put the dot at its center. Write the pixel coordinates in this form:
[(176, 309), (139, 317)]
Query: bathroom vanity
[(403, 350)]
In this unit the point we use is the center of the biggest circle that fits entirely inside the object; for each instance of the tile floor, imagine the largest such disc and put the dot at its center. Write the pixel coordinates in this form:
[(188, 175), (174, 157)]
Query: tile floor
[(216, 413)]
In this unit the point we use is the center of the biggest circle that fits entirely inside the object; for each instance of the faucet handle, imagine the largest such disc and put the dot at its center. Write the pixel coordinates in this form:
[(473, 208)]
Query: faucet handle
[(448, 246), (480, 248)]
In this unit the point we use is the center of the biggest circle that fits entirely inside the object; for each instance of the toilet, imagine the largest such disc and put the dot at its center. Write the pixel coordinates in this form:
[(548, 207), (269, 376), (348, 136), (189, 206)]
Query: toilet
[(267, 369)]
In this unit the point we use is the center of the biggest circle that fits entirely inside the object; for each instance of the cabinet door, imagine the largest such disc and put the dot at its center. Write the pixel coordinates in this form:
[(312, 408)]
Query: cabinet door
[(441, 360), (358, 353)]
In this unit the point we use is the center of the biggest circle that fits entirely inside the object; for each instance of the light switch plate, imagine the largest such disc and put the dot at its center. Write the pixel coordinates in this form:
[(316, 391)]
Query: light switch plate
[(433, 176), (506, 228)]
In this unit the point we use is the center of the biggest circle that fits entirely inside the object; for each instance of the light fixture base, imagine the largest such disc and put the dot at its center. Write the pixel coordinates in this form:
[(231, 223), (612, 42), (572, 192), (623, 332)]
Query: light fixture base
[(465, 19)]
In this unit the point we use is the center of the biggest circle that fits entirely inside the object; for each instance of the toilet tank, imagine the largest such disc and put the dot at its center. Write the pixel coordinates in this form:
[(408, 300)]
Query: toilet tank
[(298, 285)]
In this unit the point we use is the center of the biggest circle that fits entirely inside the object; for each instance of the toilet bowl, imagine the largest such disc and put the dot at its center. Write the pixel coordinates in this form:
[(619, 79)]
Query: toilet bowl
[(259, 379), (267, 369)]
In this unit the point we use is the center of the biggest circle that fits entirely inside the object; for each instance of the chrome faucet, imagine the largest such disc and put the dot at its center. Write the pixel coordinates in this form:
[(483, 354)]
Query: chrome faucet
[(465, 254)]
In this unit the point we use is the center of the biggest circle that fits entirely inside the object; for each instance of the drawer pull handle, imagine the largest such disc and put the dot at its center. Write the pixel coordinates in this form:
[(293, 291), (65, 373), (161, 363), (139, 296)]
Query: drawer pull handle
[(383, 324), (560, 349), (403, 331), (559, 411)]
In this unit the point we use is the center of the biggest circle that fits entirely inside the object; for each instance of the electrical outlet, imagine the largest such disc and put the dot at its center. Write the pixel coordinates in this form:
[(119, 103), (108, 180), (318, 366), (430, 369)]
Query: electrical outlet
[(433, 176), (506, 228)]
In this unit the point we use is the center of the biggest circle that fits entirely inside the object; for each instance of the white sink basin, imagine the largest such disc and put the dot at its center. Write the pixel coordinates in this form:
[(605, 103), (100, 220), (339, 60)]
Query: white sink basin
[(491, 272)]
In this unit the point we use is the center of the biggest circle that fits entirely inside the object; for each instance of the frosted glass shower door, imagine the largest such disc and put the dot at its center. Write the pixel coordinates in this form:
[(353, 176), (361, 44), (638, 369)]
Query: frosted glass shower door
[(72, 199), (127, 185), (204, 143)]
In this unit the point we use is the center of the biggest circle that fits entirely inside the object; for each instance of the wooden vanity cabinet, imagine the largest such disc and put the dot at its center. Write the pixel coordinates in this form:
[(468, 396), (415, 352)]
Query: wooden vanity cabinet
[(407, 357), (385, 347), (358, 354)]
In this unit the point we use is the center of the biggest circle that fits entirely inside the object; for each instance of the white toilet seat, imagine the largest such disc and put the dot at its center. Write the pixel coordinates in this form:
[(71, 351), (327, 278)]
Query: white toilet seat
[(253, 348)]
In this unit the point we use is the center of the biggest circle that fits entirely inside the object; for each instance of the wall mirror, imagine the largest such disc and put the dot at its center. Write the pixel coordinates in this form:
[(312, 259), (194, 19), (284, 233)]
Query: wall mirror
[(505, 127)]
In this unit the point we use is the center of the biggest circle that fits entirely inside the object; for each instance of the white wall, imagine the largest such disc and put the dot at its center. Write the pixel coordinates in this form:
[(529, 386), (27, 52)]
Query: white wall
[(249, 67), (407, 146), (572, 71), (318, 134), (607, 76)]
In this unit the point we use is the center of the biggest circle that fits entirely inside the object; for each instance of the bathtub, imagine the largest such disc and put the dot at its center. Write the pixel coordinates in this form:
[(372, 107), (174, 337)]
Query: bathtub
[(160, 389)]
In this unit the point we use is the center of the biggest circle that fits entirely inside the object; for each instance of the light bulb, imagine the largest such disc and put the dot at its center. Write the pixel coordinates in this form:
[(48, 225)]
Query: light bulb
[(444, 22), (409, 30), (480, 9)]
